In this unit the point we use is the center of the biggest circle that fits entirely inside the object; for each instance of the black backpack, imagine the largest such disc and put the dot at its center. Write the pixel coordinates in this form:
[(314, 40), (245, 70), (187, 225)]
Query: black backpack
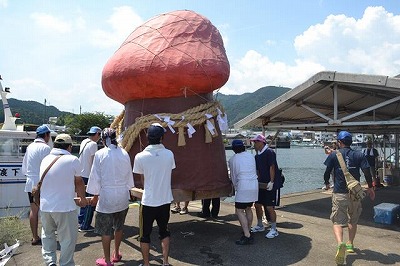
[(282, 176)]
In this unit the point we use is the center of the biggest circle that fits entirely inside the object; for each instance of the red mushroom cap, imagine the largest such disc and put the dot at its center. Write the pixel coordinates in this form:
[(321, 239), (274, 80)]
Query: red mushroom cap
[(171, 55)]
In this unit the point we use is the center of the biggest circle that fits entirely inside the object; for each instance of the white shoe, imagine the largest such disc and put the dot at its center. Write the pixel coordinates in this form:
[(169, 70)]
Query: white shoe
[(272, 233), (257, 228)]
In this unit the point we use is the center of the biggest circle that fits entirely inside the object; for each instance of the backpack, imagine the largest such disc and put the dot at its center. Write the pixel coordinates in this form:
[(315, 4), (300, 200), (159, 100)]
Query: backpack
[(282, 176)]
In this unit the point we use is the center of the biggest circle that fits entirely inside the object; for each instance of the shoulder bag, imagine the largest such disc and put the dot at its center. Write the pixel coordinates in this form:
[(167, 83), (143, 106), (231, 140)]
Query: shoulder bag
[(356, 191), (36, 189)]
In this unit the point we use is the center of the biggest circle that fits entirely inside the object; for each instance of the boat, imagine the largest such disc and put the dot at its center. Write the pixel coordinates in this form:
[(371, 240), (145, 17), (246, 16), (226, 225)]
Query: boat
[(13, 142)]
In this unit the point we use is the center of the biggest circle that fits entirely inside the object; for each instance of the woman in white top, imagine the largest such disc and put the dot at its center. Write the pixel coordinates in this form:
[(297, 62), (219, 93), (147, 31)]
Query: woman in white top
[(243, 173)]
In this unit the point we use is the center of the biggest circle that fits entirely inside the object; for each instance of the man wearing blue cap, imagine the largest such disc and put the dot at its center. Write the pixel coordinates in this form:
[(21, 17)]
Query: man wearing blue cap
[(346, 209), (154, 164), (35, 152), (87, 150)]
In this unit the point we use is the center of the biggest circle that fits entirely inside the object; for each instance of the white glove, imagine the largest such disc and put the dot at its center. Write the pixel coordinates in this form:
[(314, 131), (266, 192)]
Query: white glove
[(270, 185)]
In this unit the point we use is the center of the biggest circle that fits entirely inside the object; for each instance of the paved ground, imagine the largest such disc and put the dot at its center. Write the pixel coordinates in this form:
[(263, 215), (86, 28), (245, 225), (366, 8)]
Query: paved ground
[(305, 238)]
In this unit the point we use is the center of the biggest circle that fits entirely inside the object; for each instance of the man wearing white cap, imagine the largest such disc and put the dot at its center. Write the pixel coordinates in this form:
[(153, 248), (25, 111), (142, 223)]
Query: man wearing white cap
[(57, 205), (35, 152), (87, 150)]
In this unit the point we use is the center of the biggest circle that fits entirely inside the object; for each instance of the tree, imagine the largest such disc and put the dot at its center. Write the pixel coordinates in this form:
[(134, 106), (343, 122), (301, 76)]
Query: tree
[(80, 124)]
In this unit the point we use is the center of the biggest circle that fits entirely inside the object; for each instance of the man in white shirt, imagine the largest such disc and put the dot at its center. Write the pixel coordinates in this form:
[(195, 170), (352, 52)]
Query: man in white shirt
[(57, 204), (155, 164), (87, 150), (110, 181), (35, 152)]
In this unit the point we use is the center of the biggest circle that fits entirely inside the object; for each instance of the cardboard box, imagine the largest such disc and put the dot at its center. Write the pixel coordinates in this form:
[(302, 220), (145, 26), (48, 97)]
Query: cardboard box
[(386, 213)]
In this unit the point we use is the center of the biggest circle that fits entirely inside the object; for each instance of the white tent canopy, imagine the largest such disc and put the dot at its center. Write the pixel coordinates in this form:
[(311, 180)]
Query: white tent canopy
[(331, 101)]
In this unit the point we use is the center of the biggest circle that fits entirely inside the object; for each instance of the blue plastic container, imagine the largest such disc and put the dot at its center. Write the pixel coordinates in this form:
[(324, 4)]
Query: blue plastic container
[(388, 179), (386, 213)]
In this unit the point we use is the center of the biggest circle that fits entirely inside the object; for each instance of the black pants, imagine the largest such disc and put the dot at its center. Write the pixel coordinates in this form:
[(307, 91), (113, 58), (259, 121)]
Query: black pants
[(215, 207)]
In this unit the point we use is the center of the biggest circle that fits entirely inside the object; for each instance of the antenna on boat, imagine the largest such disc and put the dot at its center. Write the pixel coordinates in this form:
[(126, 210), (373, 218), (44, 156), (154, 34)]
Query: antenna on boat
[(9, 120)]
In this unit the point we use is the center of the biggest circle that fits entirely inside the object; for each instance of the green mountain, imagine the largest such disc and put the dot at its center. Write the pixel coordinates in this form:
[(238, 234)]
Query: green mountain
[(238, 107), (32, 112)]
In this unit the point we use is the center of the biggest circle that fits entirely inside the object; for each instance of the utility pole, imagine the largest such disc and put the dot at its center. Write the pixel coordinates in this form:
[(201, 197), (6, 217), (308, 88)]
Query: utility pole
[(80, 109), (45, 111)]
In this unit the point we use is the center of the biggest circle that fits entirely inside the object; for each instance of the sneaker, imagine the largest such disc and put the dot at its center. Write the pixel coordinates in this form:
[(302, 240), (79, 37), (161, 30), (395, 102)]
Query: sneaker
[(184, 211), (89, 229), (176, 209), (245, 241), (350, 248), (202, 215), (272, 233), (257, 228), (340, 254)]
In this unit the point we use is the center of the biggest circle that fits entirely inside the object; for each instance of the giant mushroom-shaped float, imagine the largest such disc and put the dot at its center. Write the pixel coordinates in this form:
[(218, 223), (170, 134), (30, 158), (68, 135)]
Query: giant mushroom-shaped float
[(166, 72)]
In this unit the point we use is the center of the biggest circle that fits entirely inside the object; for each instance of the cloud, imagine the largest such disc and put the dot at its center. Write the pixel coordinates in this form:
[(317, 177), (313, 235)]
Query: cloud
[(255, 70), (3, 3), (50, 22), (123, 21), (369, 45)]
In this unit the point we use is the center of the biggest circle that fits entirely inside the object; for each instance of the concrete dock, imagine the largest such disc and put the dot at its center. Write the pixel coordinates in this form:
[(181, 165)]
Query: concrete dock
[(305, 237)]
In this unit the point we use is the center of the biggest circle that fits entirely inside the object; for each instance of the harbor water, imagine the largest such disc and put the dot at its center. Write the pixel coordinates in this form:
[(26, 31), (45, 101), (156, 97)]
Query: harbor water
[(303, 168)]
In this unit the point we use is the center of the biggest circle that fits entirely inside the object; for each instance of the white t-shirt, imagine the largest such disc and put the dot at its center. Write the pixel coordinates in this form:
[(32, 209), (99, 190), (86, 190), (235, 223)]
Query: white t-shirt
[(58, 188), (86, 152), (35, 152), (155, 162), (111, 178), (242, 167)]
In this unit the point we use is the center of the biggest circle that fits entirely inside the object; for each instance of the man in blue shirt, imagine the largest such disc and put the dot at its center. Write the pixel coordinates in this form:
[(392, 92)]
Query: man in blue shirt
[(345, 209), (269, 197)]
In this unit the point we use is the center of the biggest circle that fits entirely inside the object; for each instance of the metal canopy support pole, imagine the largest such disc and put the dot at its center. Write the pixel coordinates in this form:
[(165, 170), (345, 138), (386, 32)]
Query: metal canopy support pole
[(335, 102), (396, 156), (384, 158)]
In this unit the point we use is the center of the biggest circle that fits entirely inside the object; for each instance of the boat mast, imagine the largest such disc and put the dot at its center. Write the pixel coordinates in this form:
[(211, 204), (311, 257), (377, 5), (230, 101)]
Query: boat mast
[(9, 120)]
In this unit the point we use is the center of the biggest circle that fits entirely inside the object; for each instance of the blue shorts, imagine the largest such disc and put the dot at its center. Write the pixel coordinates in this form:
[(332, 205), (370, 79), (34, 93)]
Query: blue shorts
[(269, 198)]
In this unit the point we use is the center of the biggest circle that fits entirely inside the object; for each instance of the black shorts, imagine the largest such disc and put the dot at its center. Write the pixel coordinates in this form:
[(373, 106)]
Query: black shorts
[(30, 197), (147, 216), (269, 198), (243, 205)]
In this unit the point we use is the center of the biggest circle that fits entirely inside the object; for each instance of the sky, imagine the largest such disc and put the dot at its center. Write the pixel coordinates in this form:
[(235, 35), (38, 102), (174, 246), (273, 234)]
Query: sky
[(56, 50)]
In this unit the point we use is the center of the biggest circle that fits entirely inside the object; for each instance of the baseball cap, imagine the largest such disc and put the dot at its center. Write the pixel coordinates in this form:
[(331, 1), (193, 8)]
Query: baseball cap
[(94, 130), (63, 138), (42, 129), (237, 143), (259, 137), (344, 135), (155, 131)]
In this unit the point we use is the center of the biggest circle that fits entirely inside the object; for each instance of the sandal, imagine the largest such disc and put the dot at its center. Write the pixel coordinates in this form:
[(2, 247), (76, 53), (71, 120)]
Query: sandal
[(116, 258), (102, 262), (36, 242)]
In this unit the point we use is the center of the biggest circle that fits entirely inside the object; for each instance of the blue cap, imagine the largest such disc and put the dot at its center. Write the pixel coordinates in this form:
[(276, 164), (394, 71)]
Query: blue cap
[(155, 131), (344, 135), (237, 143), (43, 129), (94, 130)]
